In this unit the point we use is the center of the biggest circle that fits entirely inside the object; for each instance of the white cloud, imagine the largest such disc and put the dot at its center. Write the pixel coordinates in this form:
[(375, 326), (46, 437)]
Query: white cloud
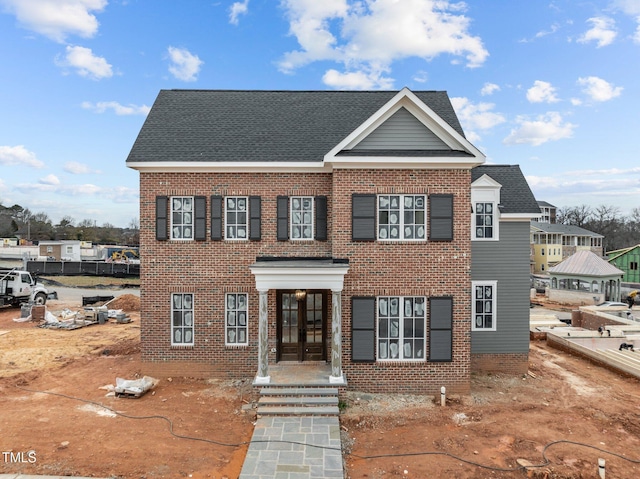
[(603, 31), (367, 37), (548, 127), (598, 89), (57, 19), (117, 108), (630, 7), (184, 66), (475, 116), (86, 63), (356, 80), (19, 155), (489, 89), (50, 179), (76, 168), (237, 9), (542, 92)]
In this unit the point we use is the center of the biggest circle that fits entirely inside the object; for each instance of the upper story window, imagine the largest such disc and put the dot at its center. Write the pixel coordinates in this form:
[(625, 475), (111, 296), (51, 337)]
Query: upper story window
[(182, 218), (301, 224), (484, 220), (402, 217), (483, 306), (485, 216), (237, 218)]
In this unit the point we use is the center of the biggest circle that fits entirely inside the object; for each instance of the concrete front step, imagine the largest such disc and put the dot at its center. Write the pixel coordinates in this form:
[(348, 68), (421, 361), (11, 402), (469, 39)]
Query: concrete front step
[(308, 401), (298, 411), (284, 391)]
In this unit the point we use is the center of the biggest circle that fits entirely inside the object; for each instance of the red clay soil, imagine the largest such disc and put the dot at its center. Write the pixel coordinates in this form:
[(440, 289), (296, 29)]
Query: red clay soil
[(506, 418)]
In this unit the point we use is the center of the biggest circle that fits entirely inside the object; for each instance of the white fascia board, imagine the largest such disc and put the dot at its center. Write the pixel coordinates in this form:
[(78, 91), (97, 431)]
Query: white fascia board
[(485, 181), (515, 217), (230, 166), (403, 163), (406, 98)]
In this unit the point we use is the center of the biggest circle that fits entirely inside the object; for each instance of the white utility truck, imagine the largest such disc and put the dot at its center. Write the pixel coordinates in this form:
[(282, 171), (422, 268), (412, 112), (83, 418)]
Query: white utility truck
[(18, 286)]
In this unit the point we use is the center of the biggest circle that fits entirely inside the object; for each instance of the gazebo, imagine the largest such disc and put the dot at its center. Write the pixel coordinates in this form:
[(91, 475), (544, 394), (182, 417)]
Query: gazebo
[(584, 277)]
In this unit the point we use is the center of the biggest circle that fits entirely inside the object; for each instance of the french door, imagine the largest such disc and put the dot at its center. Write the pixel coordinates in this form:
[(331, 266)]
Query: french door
[(302, 318)]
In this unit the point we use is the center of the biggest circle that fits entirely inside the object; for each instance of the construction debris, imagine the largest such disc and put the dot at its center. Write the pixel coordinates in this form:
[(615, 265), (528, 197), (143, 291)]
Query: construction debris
[(134, 388)]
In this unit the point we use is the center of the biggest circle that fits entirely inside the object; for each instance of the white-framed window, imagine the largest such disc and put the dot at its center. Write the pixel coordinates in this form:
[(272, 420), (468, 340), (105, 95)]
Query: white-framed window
[(69, 249), (402, 217), (182, 218), (236, 218), (301, 224), (483, 306), (484, 220), (49, 249), (236, 319), (182, 319), (401, 328)]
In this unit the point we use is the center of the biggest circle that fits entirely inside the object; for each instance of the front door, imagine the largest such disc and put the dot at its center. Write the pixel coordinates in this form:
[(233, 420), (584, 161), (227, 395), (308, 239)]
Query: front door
[(301, 325)]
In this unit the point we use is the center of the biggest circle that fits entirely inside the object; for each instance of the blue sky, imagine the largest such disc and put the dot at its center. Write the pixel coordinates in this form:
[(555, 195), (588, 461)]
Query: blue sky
[(549, 85)]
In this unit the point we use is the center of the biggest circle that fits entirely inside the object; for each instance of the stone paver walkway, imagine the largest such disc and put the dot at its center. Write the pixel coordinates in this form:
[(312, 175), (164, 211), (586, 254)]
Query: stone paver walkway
[(270, 456)]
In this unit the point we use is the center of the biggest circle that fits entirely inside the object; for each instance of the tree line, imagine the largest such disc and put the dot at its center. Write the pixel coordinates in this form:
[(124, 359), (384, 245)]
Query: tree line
[(619, 231), (22, 223)]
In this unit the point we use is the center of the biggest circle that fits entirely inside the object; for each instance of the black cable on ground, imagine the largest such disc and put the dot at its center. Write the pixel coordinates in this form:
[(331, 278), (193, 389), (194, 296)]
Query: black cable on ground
[(377, 456)]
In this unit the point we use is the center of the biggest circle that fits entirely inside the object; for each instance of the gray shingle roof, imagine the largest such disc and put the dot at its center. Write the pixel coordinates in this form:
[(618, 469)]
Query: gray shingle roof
[(515, 194), (227, 125), (570, 230), (585, 263)]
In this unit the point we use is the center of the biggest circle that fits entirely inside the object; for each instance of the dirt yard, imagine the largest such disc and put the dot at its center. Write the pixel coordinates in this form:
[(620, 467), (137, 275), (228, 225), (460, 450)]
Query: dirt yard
[(51, 421)]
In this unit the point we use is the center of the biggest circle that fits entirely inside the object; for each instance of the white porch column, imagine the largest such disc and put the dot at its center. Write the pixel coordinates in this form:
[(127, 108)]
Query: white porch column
[(263, 340), (336, 337)]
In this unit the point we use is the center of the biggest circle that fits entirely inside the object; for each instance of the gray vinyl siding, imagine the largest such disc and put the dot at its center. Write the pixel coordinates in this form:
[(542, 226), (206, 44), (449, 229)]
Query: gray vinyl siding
[(507, 262), (402, 131)]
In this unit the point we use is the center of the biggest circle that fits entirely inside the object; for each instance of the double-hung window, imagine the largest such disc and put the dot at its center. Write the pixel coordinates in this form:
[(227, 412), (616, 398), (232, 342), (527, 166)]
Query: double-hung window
[(484, 220), (483, 307), (301, 218), (236, 209), (182, 319), (402, 217), (401, 327), (182, 218), (236, 312)]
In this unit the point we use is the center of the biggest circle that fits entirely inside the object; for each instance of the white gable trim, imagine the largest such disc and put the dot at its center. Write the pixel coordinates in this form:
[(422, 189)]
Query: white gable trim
[(407, 99)]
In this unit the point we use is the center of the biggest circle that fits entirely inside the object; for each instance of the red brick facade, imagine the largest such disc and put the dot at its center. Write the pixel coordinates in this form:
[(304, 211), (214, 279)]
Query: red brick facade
[(209, 269)]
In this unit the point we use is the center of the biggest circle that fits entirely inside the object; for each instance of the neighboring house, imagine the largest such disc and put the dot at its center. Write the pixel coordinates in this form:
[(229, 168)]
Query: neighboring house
[(547, 213), (628, 260), (551, 243), (305, 226), (64, 250)]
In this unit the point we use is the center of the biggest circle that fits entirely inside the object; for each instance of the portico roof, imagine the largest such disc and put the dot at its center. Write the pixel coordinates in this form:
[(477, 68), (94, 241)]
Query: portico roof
[(299, 274)]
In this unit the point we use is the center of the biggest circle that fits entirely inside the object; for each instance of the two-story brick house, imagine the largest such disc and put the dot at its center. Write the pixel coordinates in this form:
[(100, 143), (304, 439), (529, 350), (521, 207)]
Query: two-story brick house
[(302, 226)]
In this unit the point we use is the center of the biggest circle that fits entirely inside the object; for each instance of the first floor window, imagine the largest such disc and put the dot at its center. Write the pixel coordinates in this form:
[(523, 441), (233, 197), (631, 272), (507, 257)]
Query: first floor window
[(402, 217), (301, 217), (236, 318), (401, 327), (182, 319), (182, 217), (484, 305), (484, 220)]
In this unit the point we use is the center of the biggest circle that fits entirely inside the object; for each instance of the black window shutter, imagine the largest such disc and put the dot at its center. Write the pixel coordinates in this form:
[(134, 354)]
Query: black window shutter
[(441, 217), (321, 217), (216, 218), (363, 328), (255, 212), (162, 206), (200, 225), (363, 217), (441, 329), (283, 218)]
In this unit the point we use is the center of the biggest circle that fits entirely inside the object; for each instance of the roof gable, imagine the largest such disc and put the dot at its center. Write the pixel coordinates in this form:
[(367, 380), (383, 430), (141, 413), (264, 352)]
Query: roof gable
[(622, 252)]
